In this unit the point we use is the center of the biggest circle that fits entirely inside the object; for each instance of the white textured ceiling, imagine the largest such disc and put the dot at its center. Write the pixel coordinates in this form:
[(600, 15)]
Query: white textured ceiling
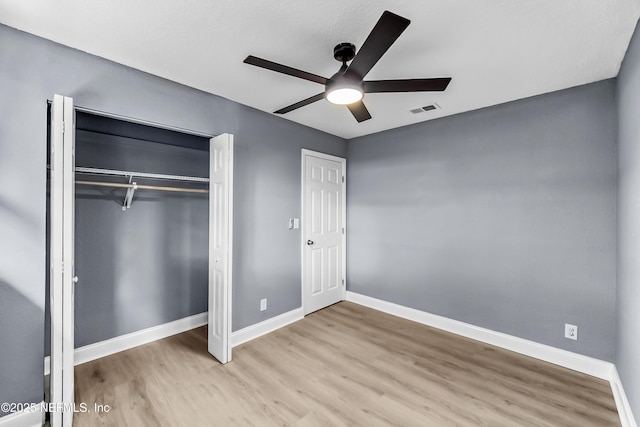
[(495, 51)]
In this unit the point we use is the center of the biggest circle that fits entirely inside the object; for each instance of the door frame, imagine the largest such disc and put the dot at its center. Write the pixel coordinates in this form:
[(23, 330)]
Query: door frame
[(303, 217)]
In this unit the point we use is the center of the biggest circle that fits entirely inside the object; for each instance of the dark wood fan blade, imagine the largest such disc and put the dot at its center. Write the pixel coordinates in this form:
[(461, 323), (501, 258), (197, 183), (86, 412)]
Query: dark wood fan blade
[(302, 103), (359, 111), (406, 85), (279, 68), (384, 34)]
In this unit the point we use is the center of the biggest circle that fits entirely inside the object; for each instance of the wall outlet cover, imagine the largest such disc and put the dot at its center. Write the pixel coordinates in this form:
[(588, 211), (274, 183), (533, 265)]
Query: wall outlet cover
[(263, 304), (570, 331)]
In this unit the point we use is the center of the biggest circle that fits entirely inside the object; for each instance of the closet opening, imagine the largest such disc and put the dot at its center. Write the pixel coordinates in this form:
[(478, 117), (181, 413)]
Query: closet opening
[(142, 213), (141, 261)]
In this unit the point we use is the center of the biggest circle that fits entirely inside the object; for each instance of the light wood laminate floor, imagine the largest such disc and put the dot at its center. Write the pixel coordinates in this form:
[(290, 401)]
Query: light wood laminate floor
[(345, 365)]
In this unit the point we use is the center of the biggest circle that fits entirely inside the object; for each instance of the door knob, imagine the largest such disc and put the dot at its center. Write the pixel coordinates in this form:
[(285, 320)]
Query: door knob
[(309, 242), (75, 279)]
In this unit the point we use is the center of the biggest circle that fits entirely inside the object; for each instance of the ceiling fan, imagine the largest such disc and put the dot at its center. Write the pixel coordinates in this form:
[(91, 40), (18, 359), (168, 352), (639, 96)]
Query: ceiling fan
[(347, 86)]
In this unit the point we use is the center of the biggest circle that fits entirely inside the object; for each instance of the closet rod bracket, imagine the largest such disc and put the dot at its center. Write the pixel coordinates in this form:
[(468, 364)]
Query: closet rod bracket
[(128, 198)]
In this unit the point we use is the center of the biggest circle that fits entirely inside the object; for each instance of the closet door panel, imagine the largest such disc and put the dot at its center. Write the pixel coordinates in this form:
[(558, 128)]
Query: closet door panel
[(62, 282), (220, 245)]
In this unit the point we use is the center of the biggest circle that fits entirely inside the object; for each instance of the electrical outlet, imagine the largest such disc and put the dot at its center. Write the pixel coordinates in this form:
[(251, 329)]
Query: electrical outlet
[(571, 331), (263, 304)]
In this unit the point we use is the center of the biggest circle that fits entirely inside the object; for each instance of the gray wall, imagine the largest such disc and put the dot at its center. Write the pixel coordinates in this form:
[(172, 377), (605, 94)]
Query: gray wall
[(628, 301), (267, 186), (504, 218)]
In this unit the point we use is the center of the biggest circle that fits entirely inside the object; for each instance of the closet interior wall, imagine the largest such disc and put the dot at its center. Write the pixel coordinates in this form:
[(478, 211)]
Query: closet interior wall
[(146, 265)]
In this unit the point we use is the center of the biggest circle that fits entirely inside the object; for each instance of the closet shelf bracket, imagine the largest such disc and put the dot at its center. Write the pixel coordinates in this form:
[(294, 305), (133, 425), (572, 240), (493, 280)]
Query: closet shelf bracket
[(128, 198)]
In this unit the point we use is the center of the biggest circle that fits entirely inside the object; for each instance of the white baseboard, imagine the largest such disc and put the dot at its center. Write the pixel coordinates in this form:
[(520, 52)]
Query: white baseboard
[(134, 339), (622, 403), (125, 342), (254, 331), (23, 419)]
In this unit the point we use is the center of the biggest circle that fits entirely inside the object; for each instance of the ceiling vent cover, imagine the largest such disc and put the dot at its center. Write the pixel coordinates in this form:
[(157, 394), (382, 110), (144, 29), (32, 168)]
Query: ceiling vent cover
[(425, 108)]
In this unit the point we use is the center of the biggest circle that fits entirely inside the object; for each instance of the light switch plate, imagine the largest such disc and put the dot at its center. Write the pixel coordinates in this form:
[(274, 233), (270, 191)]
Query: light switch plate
[(294, 223)]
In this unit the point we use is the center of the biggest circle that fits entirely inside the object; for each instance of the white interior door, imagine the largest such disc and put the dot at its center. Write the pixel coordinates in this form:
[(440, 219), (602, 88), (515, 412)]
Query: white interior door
[(62, 279), (220, 245), (323, 222)]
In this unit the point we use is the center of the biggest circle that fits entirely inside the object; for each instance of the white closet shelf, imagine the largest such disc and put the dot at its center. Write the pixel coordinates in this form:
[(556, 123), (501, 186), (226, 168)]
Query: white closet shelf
[(112, 172), (132, 186)]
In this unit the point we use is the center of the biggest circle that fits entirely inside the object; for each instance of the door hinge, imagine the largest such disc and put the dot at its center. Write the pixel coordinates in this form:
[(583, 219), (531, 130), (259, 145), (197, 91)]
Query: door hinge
[(342, 230), (343, 283), (343, 179)]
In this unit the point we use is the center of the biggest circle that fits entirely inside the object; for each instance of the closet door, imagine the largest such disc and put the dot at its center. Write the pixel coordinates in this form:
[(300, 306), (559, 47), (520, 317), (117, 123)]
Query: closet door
[(220, 245), (62, 259)]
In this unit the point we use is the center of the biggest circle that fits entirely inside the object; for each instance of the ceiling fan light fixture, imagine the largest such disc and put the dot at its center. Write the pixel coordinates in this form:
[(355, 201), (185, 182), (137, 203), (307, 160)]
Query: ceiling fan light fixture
[(344, 92), (344, 96)]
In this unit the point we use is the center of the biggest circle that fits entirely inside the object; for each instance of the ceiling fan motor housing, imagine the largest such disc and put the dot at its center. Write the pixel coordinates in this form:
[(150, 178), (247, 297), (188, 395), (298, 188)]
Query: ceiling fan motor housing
[(343, 52), (339, 80)]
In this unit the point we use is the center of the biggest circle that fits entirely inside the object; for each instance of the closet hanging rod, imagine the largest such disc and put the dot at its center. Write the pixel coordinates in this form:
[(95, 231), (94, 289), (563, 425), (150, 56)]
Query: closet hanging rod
[(142, 187), (112, 172)]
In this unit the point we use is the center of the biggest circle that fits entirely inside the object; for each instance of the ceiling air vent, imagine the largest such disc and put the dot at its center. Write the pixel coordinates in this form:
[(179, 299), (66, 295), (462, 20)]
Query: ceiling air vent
[(425, 108)]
